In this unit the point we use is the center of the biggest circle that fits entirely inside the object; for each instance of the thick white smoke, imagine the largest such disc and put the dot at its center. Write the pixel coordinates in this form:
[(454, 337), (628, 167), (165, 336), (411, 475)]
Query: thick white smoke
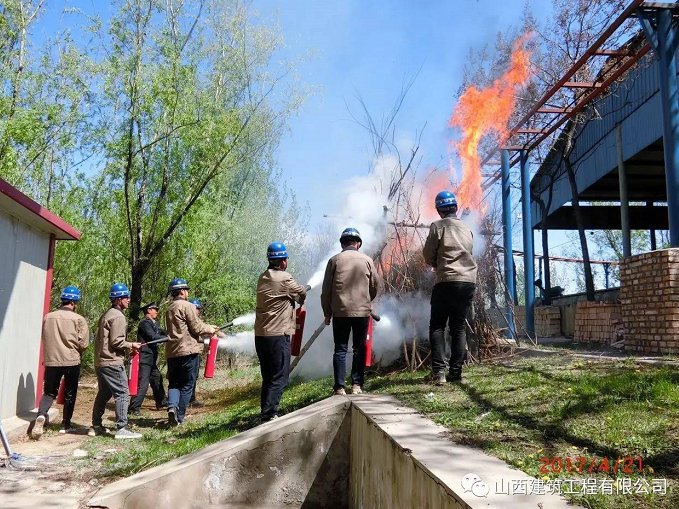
[(367, 209)]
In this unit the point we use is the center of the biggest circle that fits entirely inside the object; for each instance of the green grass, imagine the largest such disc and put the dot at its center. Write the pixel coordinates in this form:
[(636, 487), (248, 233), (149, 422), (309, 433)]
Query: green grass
[(519, 412), (239, 411), (560, 408)]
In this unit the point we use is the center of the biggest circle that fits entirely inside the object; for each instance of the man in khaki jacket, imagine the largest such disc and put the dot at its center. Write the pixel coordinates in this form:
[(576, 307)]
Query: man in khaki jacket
[(65, 336), (277, 292), (110, 348), (182, 349), (448, 249), (349, 287)]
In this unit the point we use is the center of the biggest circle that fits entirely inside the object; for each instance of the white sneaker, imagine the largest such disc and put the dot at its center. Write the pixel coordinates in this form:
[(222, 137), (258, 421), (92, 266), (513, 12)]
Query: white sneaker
[(38, 427), (67, 431), (124, 433), (340, 392), (356, 389)]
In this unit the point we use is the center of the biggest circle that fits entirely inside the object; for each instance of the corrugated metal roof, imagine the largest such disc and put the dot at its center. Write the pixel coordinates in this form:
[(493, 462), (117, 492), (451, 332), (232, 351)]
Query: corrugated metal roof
[(635, 104)]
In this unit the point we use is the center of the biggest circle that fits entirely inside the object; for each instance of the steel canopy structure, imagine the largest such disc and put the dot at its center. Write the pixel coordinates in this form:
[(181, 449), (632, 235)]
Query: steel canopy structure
[(643, 168)]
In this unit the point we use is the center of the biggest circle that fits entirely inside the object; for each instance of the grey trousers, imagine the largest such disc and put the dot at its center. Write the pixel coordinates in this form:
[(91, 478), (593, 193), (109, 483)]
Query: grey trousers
[(112, 381)]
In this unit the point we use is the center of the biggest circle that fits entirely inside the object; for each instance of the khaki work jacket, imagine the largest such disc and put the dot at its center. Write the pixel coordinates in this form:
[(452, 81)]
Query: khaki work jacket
[(184, 329), (65, 336), (277, 292), (350, 285), (448, 249), (110, 344)]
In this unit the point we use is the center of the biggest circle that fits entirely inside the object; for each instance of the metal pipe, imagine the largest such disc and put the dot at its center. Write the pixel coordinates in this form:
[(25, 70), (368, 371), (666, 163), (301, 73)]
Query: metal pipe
[(507, 242), (571, 72), (528, 259), (670, 113), (624, 197)]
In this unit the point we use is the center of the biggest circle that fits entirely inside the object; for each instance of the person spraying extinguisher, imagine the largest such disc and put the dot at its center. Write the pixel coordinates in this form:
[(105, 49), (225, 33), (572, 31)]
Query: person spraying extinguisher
[(183, 348), (275, 317)]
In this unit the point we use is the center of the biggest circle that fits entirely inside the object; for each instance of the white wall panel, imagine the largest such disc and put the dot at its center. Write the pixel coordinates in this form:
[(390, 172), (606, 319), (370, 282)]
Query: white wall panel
[(23, 271)]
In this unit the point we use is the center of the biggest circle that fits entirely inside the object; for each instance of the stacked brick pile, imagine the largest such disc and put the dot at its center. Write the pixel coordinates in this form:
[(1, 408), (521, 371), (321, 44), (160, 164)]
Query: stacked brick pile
[(597, 322), (649, 292), (548, 321)]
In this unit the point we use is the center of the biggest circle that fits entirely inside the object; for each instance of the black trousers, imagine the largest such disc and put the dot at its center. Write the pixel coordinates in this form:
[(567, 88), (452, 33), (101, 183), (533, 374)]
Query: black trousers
[(450, 305), (193, 394), (341, 328), (53, 375), (181, 375), (274, 364), (149, 374)]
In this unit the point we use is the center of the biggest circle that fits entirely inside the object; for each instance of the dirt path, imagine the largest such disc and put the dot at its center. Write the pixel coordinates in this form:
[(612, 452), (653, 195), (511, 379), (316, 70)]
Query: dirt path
[(58, 472)]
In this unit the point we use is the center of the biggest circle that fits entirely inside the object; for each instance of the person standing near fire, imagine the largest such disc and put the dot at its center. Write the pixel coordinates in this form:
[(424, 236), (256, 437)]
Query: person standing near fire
[(184, 329), (349, 287), (110, 348), (149, 330), (448, 249), (277, 293), (65, 336)]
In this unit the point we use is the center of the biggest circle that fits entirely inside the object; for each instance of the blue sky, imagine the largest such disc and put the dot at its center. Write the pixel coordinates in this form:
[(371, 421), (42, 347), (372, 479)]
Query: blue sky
[(368, 47)]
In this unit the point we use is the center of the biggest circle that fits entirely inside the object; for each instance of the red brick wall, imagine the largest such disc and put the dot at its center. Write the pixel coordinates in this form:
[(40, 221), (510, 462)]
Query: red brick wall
[(649, 292), (597, 322), (548, 321)]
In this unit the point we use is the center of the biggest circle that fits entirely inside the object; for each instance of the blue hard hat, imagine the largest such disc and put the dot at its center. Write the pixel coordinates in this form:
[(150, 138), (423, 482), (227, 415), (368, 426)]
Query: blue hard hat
[(196, 303), (350, 233), (71, 294), (178, 284), (118, 290), (445, 199), (276, 251)]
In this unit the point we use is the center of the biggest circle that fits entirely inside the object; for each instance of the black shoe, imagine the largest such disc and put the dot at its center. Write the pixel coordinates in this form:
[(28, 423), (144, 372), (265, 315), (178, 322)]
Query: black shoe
[(162, 406), (196, 404), (172, 417), (455, 377)]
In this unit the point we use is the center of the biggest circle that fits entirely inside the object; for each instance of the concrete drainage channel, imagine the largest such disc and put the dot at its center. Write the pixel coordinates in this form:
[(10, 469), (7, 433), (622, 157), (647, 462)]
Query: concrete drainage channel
[(344, 452)]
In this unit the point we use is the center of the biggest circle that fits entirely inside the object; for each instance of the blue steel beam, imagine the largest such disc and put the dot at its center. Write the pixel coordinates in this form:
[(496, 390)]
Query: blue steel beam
[(507, 242), (662, 35), (528, 259)]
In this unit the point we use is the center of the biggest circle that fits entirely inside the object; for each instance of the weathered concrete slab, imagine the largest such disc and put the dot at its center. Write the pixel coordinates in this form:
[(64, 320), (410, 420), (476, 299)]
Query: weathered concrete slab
[(400, 459), (364, 451), (298, 459)]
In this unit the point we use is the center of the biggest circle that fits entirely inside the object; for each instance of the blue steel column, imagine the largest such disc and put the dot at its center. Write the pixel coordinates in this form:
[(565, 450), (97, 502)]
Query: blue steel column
[(667, 45), (507, 242), (528, 258)]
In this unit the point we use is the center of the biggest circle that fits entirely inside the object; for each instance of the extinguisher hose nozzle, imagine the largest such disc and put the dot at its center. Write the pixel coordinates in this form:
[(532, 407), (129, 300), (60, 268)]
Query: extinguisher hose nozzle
[(307, 288), (376, 317), (226, 326)]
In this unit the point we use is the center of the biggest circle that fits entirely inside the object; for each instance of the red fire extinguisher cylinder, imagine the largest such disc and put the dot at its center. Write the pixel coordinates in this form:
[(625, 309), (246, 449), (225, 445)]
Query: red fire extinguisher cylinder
[(369, 344), (61, 396), (296, 344), (211, 357), (133, 381)]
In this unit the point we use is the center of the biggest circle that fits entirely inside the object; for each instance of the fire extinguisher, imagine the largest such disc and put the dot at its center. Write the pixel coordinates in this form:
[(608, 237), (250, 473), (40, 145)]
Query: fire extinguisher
[(369, 340), (296, 344), (133, 381), (211, 358), (61, 397), (369, 344)]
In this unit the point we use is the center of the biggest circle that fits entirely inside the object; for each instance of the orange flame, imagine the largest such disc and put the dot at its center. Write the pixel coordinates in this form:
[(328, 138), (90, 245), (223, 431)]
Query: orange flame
[(483, 111)]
